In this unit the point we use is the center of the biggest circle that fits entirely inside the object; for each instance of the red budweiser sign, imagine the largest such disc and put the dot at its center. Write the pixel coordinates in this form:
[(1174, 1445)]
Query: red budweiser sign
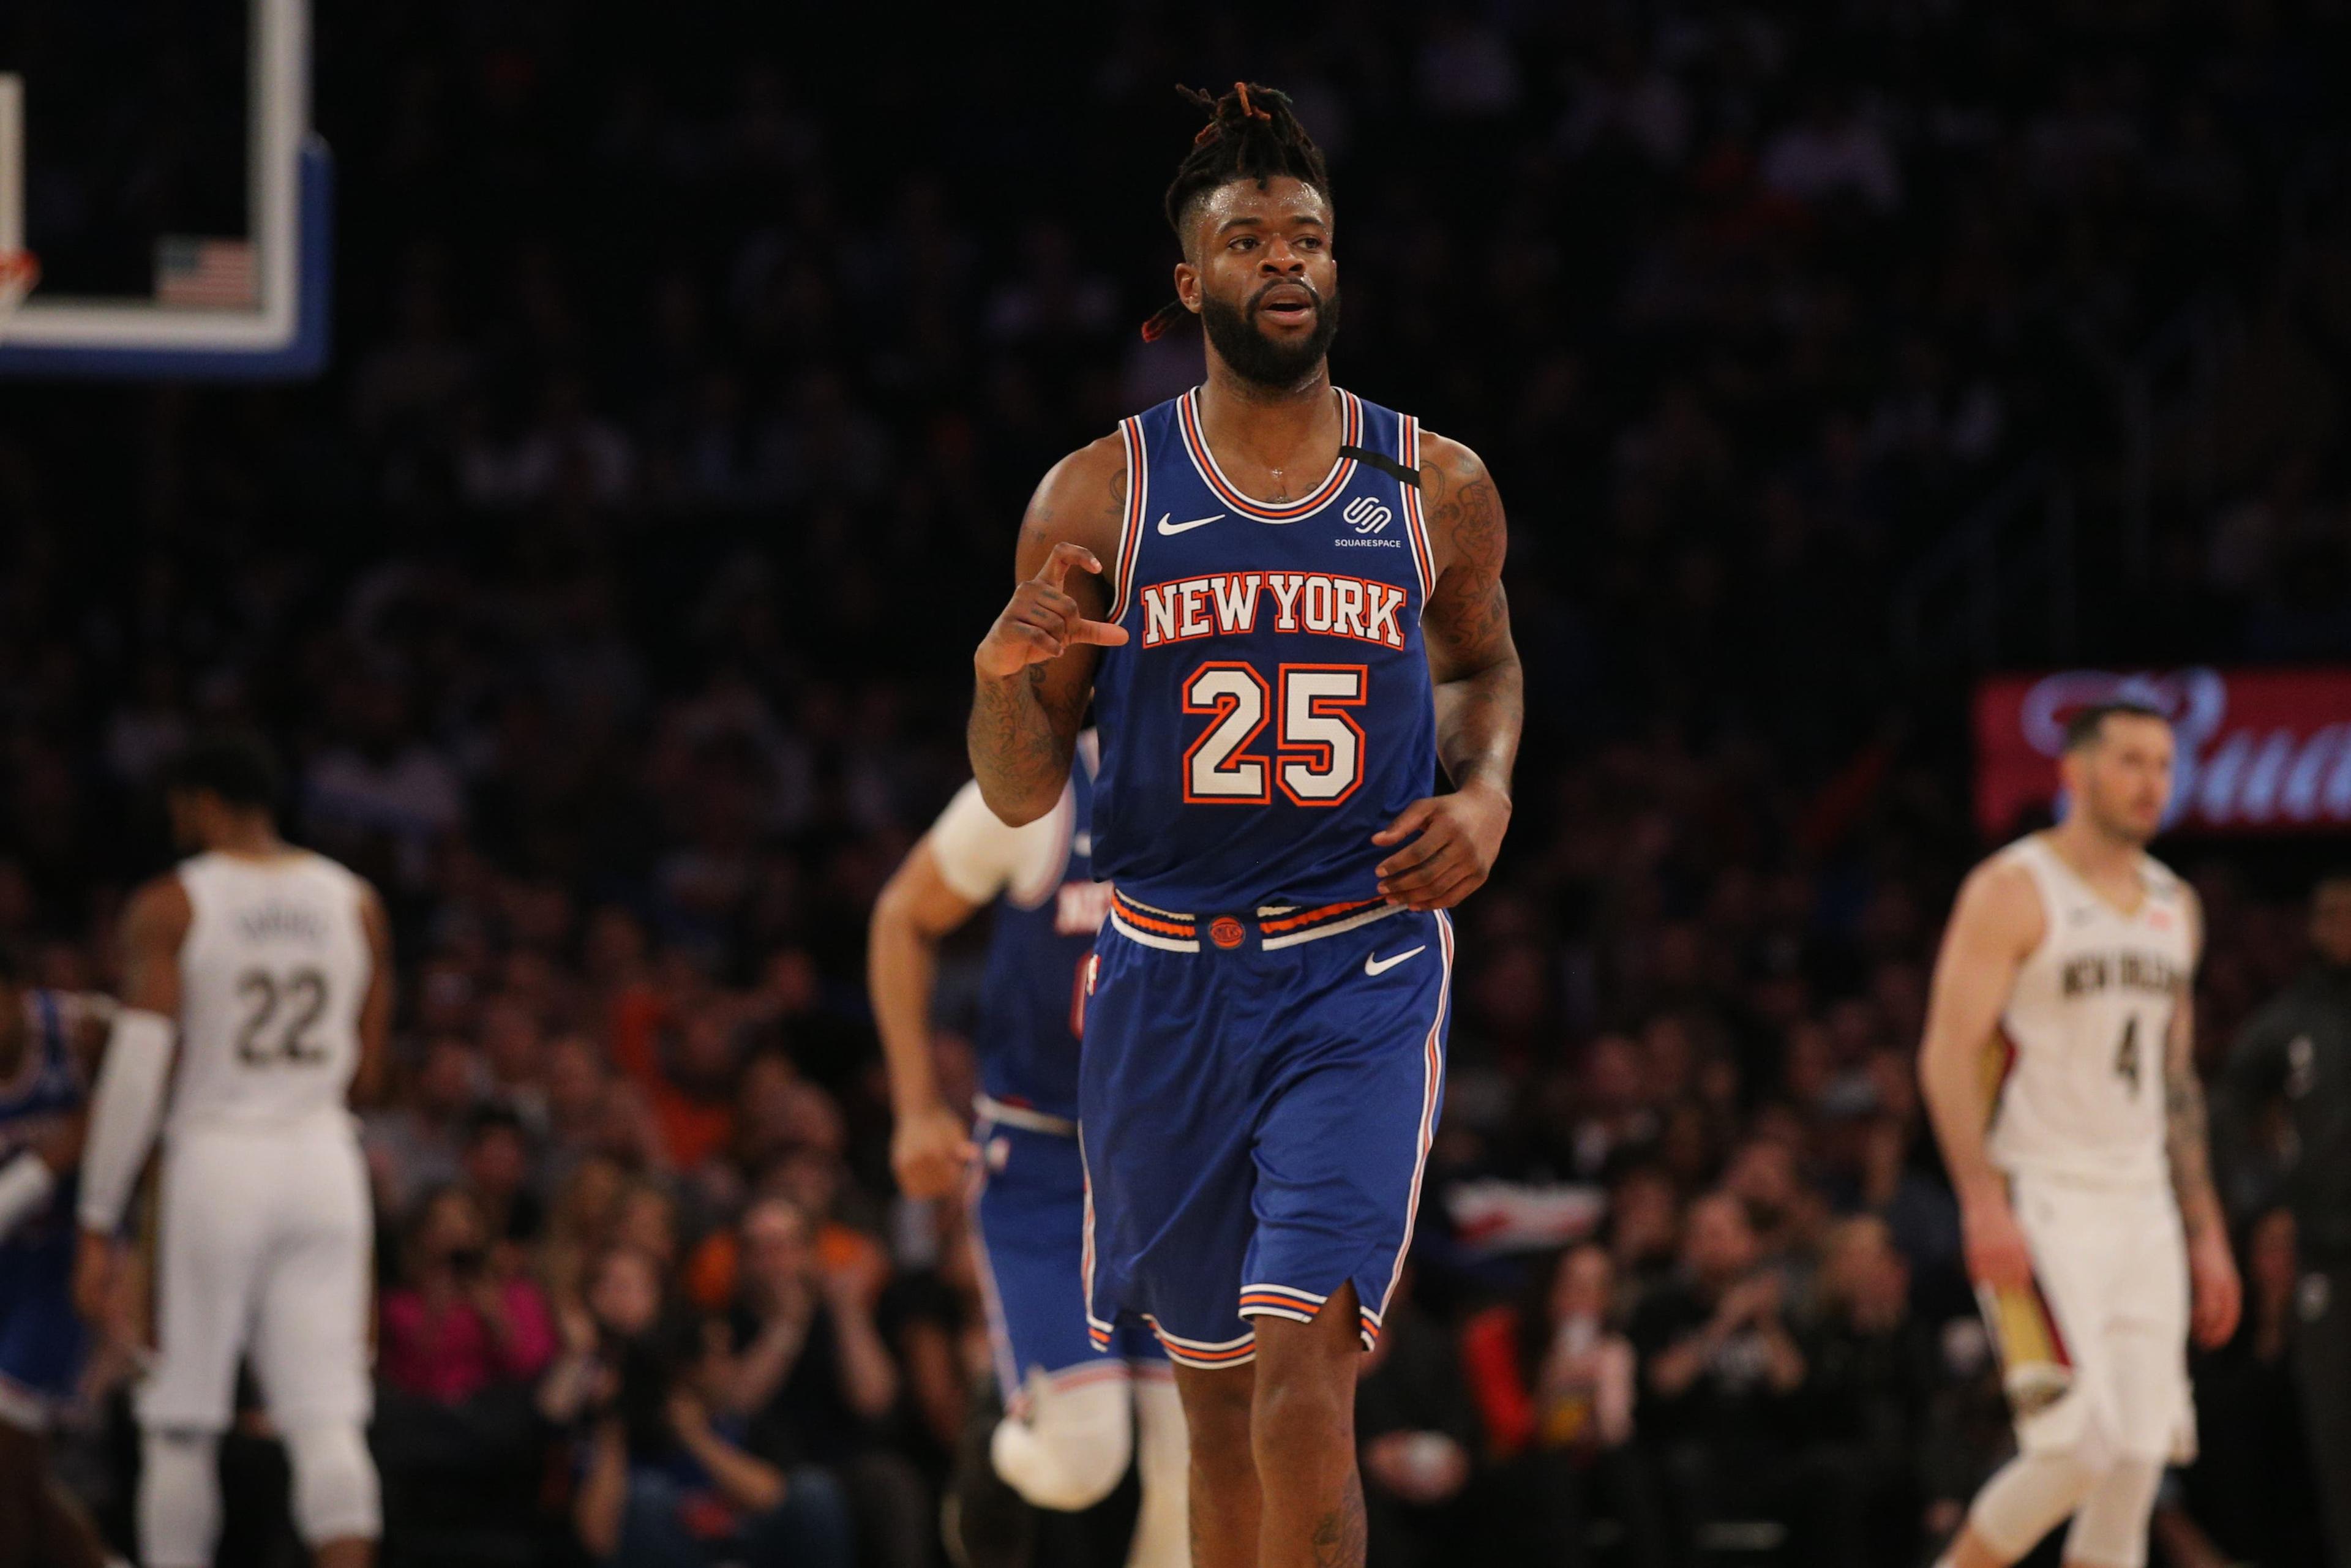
[(2259, 750)]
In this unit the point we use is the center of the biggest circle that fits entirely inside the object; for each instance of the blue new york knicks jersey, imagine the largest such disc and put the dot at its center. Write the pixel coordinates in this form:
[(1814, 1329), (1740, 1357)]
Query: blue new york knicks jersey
[(1029, 1002), (40, 1335), (1271, 709)]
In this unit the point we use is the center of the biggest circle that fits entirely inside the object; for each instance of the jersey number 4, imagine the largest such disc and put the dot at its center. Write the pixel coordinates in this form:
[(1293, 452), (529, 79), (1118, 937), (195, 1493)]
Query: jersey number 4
[(2127, 1055), (267, 1038), (1318, 750)]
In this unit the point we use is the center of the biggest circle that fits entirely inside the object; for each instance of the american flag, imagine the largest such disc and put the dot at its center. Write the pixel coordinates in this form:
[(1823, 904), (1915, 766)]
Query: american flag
[(209, 273)]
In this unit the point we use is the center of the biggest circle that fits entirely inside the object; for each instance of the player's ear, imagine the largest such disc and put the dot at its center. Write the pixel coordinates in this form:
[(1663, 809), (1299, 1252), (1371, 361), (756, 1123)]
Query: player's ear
[(1187, 286)]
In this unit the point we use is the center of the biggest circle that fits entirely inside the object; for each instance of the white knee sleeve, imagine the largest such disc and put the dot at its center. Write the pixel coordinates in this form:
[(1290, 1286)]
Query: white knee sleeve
[(1163, 1453), (1072, 1446), (179, 1499), (2111, 1529), (2031, 1492), (335, 1491)]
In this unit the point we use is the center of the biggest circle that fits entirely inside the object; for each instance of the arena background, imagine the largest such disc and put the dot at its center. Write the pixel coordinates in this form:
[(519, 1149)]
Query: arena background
[(611, 596)]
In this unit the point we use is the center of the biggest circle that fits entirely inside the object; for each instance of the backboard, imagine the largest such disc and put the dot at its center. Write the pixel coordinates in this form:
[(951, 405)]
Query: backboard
[(178, 202)]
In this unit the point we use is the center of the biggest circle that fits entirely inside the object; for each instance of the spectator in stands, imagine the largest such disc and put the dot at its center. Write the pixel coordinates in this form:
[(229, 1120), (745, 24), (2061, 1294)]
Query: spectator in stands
[(1417, 1433), (2293, 1062), (1556, 1384), (497, 1164), (811, 1378), (1644, 1234), (2252, 1483), (666, 1480), (514, 1053), (461, 1346), (456, 1325), (1722, 1376), (1871, 1375), (416, 1143), (578, 1088)]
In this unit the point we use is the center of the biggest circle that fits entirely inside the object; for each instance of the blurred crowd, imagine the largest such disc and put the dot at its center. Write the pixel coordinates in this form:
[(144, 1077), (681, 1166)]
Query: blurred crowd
[(612, 599)]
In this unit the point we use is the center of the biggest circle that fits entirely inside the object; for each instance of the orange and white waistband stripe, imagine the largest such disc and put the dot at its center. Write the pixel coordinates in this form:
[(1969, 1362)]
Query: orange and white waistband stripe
[(1279, 925)]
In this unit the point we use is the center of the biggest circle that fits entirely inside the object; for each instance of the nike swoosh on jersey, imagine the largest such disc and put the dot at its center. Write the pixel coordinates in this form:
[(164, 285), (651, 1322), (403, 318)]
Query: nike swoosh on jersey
[(1168, 528), (1373, 966)]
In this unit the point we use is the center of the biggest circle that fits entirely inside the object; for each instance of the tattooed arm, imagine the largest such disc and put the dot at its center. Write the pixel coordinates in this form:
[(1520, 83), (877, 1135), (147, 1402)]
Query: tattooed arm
[(2211, 1267), (1034, 670), (1475, 665)]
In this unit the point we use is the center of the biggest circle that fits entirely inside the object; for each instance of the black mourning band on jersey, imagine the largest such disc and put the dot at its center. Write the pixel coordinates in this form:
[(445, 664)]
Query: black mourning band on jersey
[(1385, 464)]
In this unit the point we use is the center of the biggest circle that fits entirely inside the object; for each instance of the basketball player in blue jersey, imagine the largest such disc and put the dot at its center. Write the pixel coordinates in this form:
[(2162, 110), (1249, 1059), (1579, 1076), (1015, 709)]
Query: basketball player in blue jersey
[(47, 1040), (1072, 1411), (1285, 605)]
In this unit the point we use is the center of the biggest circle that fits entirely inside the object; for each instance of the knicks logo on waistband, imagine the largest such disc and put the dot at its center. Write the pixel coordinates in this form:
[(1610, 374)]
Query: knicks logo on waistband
[(1226, 932), (1227, 604)]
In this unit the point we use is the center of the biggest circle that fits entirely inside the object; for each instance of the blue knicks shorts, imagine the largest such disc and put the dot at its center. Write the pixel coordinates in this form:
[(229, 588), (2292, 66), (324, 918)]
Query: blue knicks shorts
[(1030, 1221), (41, 1336), (1256, 1097)]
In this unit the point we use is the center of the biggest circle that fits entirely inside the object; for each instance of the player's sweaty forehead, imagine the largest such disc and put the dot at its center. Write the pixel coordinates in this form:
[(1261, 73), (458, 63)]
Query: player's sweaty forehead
[(1286, 205)]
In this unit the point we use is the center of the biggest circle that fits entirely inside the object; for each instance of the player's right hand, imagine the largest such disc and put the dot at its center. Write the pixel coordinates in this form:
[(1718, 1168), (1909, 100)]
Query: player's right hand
[(930, 1151), (1042, 618), (1997, 1255)]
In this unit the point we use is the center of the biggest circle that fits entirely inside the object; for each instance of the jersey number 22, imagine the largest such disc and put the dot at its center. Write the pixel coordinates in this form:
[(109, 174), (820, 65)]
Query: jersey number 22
[(282, 1010)]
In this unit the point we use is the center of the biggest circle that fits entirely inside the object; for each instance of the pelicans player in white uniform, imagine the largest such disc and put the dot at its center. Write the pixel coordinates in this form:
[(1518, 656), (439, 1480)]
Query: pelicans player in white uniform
[(266, 970), (2081, 1165)]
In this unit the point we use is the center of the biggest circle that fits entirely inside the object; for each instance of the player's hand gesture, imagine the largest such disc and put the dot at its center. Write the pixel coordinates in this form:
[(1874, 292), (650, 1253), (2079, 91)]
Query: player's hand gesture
[(2217, 1294), (1997, 1255), (930, 1151), (1459, 835), (1042, 618)]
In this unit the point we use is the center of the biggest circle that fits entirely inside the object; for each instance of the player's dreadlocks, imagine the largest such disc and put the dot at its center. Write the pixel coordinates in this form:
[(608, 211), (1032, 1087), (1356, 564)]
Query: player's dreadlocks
[(1252, 134)]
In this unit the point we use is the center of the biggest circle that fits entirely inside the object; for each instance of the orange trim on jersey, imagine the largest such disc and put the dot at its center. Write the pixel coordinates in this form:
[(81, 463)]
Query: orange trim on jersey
[(1129, 533), (1433, 1069), (1309, 916), (1133, 917), (1416, 526), (1187, 416), (1262, 1299)]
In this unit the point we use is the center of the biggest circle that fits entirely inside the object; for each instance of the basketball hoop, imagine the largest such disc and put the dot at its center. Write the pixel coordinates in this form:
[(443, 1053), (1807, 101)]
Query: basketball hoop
[(19, 270)]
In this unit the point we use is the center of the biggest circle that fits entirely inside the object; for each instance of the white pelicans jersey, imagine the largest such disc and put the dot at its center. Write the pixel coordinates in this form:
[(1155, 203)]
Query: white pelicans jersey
[(273, 974), (2084, 1035)]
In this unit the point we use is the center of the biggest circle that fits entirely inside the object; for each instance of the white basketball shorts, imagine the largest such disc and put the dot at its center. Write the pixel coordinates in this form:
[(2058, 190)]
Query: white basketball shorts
[(2113, 1267), (264, 1251)]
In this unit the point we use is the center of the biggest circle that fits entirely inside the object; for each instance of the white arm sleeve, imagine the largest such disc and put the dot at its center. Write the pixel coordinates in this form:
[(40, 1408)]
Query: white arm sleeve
[(26, 1183), (124, 1114), (980, 858)]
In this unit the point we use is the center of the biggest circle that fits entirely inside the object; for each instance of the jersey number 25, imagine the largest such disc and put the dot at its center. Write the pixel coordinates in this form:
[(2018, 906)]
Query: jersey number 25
[(1318, 750)]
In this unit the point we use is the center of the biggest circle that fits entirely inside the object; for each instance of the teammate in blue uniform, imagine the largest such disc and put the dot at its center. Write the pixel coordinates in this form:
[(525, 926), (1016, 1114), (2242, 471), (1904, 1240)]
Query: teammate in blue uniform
[(47, 1039), (1284, 603), (1074, 1406)]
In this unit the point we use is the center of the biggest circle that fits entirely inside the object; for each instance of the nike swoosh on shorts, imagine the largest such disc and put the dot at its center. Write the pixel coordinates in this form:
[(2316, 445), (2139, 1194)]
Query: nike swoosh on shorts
[(1381, 966)]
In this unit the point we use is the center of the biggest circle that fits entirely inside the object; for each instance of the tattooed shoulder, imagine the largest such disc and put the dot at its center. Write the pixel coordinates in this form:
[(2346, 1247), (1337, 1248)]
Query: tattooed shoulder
[(1464, 512), (1081, 499)]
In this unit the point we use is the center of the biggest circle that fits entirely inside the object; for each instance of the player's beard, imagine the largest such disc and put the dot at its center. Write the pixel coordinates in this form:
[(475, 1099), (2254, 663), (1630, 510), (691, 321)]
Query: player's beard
[(2115, 826), (1253, 356)]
